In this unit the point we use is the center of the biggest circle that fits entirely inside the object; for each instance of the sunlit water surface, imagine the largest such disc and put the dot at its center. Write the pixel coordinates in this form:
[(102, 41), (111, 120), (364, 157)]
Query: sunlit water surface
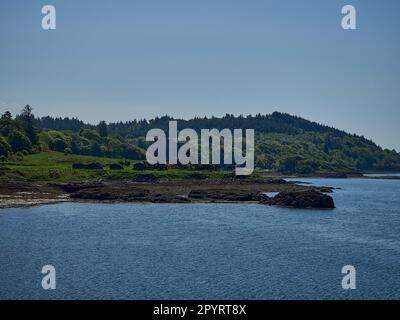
[(207, 251)]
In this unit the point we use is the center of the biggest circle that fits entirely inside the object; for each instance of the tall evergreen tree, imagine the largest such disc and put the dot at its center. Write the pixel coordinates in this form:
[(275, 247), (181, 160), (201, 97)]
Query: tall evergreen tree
[(6, 123), (102, 129), (27, 119)]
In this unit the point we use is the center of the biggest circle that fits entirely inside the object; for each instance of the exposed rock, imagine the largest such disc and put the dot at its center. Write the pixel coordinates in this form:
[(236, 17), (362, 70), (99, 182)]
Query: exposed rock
[(170, 191), (324, 189), (224, 195), (94, 194), (87, 166), (301, 199), (166, 198), (263, 198), (277, 181), (74, 187), (146, 166), (145, 178), (109, 194)]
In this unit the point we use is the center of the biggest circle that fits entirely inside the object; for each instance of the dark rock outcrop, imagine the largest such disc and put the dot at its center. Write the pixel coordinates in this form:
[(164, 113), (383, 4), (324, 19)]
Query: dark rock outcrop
[(87, 166), (74, 187), (143, 177), (146, 166), (180, 192), (309, 199), (109, 194), (167, 198), (324, 189), (126, 195), (223, 195)]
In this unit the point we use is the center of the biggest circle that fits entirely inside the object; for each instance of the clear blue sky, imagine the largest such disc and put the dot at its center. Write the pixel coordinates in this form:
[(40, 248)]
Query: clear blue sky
[(119, 60)]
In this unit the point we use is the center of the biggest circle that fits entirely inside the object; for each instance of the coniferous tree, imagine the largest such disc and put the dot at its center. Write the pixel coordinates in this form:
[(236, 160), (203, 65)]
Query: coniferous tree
[(102, 129), (6, 123), (26, 118)]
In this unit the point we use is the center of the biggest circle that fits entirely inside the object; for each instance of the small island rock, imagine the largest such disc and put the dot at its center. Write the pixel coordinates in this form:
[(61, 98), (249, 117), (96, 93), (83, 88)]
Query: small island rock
[(309, 199)]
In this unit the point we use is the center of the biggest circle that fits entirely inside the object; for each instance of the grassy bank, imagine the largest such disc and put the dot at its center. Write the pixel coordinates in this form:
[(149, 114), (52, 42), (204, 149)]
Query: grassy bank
[(57, 167)]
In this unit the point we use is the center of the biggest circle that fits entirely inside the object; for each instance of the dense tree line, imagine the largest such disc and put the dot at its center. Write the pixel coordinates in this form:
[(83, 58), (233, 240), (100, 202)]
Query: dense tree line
[(284, 142), (276, 122), (19, 134), (23, 134), (60, 123)]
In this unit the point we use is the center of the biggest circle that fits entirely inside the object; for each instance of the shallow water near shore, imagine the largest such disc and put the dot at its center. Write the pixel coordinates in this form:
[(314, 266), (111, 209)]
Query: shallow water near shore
[(207, 251)]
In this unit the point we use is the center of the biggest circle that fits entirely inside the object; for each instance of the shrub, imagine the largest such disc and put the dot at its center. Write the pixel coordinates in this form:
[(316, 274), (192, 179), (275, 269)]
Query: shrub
[(19, 141), (54, 174), (58, 145), (90, 134), (19, 156), (36, 149)]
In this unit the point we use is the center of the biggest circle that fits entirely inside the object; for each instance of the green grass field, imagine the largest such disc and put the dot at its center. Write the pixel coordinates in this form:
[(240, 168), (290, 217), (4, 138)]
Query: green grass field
[(57, 167)]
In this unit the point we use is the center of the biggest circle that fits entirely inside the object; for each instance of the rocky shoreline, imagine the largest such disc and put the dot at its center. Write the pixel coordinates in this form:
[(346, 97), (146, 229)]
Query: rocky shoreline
[(335, 175), (289, 194)]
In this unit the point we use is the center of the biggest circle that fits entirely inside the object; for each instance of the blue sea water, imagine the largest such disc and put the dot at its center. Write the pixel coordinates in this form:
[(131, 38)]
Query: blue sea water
[(207, 251)]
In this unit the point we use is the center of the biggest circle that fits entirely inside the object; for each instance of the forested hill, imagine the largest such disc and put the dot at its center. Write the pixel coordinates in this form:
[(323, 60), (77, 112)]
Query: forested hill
[(276, 122), (283, 143)]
